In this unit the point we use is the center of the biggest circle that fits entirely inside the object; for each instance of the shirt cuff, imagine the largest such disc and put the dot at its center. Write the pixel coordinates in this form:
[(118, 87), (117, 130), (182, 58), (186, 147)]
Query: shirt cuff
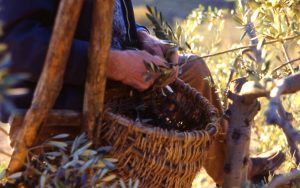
[(141, 28)]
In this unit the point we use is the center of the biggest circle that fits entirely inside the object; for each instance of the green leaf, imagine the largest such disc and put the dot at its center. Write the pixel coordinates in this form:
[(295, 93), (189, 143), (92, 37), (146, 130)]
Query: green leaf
[(82, 149), (89, 152), (61, 145), (261, 43), (43, 179), (60, 136), (103, 172), (243, 36), (178, 32), (109, 164), (15, 175), (16, 91), (109, 178), (104, 149), (70, 163), (54, 154), (87, 165), (169, 88), (2, 174), (99, 164), (113, 160), (130, 183), (238, 20), (255, 15), (136, 184), (149, 9), (78, 141), (122, 184), (188, 45), (58, 183)]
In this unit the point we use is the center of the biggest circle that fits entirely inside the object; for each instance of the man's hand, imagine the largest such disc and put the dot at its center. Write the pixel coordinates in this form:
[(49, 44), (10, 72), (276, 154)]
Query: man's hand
[(156, 47), (128, 67)]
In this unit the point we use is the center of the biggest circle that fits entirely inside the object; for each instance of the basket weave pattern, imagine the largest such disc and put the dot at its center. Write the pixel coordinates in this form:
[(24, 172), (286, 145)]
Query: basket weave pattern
[(168, 150)]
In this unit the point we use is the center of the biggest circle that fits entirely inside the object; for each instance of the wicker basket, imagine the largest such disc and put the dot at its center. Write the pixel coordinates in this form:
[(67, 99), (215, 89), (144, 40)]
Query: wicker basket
[(158, 137)]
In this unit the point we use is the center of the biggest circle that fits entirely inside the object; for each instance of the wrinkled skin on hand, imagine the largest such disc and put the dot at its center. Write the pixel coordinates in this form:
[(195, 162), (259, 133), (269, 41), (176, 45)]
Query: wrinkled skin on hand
[(159, 48), (128, 67)]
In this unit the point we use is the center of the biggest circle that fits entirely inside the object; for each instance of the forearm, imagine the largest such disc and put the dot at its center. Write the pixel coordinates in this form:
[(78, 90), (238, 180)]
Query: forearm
[(115, 59)]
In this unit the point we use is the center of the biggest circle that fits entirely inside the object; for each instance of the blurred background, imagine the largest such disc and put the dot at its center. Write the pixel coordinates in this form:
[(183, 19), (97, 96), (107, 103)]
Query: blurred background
[(175, 10)]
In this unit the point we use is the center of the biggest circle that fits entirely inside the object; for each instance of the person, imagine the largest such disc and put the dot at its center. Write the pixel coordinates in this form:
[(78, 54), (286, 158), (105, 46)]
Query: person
[(27, 28)]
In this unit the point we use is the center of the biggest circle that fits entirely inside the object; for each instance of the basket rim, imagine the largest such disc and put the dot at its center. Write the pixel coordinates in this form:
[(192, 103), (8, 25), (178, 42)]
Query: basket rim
[(211, 129)]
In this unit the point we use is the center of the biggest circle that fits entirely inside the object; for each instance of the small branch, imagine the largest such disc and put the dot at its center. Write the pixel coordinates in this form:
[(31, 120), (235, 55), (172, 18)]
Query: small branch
[(287, 57), (287, 85), (5, 153), (276, 114), (287, 127), (254, 41), (234, 64), (294, 150), (285, 64), (251, 46), (232, 70), (3, 131), (284, 179)]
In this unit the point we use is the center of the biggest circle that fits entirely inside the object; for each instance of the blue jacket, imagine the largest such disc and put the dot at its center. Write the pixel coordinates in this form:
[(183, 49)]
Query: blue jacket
[(28, 25)]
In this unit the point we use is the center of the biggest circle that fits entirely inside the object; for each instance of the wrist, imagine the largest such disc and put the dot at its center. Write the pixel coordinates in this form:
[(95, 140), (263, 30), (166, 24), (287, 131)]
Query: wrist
[(114, 66), (143, 35)]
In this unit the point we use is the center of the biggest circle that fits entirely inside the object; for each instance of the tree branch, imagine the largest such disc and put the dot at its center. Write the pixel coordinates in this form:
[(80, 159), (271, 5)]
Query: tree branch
[(284, 179), (250, 29), (287, 57), (240, 112), (291, 84), (285, 64), (250, 46)]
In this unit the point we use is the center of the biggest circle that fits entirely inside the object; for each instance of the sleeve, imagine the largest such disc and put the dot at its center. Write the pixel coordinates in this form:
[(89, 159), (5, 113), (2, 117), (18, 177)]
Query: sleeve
[(27, 33), (141, 28)]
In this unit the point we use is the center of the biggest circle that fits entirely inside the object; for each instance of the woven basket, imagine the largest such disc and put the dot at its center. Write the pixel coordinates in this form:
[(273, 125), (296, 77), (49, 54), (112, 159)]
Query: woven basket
[(158, 137)]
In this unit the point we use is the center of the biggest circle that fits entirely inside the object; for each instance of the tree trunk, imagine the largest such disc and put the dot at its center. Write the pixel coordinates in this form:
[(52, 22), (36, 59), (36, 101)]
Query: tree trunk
[(241, 114)]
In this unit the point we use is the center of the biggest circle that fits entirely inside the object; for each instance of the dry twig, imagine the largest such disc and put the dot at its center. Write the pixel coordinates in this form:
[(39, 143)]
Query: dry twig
[(251, 46)]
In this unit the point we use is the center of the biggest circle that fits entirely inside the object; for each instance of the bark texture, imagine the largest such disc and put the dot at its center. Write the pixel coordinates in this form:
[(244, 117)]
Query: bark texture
[(98, 57), (241, 114)]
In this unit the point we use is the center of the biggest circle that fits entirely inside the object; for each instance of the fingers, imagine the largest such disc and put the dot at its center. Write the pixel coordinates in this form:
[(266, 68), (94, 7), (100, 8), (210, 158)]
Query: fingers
[(159, 61), (137, 75), (174, 57), (142, 86), (174, 69), (157, 51)]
